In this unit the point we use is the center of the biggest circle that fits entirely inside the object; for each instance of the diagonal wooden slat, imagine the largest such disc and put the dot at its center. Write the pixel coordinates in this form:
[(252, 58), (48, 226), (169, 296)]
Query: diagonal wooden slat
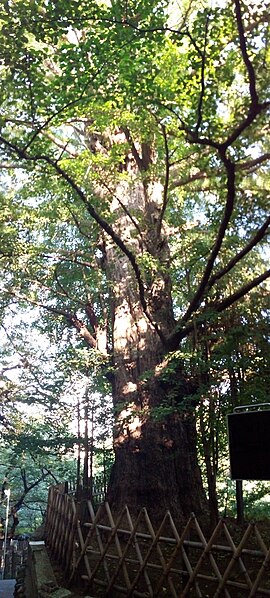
[(83, 543), (95, 528), (132, 539), (178, 548), (237, 556), (154, 545), (113, 538), (265, 565), (205, 554), (92, 530), (235, 559), (61, 524)]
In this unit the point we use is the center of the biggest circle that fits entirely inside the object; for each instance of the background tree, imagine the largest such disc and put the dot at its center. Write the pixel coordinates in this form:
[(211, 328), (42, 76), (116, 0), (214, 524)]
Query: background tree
[(233, 364), (28, 476), (39, 439), (142, 142)]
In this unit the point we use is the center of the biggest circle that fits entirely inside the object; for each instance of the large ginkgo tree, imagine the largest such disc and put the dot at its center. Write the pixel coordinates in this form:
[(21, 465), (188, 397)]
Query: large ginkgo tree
[(134, 142)]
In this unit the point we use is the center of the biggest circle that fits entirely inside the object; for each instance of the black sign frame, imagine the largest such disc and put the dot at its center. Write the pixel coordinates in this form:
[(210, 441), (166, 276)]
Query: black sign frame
[(249, 444)]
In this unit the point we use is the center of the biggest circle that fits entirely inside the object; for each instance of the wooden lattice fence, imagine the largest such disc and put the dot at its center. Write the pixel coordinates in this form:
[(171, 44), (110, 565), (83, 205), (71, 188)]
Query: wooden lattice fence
[(129, 558)]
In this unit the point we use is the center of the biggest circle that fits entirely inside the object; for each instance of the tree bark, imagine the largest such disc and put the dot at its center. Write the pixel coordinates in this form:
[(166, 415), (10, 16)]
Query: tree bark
[(154, 441)]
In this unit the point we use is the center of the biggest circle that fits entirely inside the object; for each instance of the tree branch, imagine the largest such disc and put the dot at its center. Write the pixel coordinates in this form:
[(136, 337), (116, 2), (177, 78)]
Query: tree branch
[(183, 330), (190, 179), (84, 234), (199, 294), (91, 210), (71, 318), (166, 183), (124, 208), (222, 305), (253, 242), (27, 488), (203, 175), (41, 128), (64, 292), (134, 151), (199, 119), (247, 61), (253, 163), (21, 153), (60, 144)]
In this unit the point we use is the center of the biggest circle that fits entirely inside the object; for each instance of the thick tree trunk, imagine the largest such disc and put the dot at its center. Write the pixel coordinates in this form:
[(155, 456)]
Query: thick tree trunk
[(155, 443), (157, 468)]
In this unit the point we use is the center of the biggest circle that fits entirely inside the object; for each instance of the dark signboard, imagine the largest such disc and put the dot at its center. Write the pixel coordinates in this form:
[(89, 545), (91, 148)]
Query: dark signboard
[(249, 445)]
